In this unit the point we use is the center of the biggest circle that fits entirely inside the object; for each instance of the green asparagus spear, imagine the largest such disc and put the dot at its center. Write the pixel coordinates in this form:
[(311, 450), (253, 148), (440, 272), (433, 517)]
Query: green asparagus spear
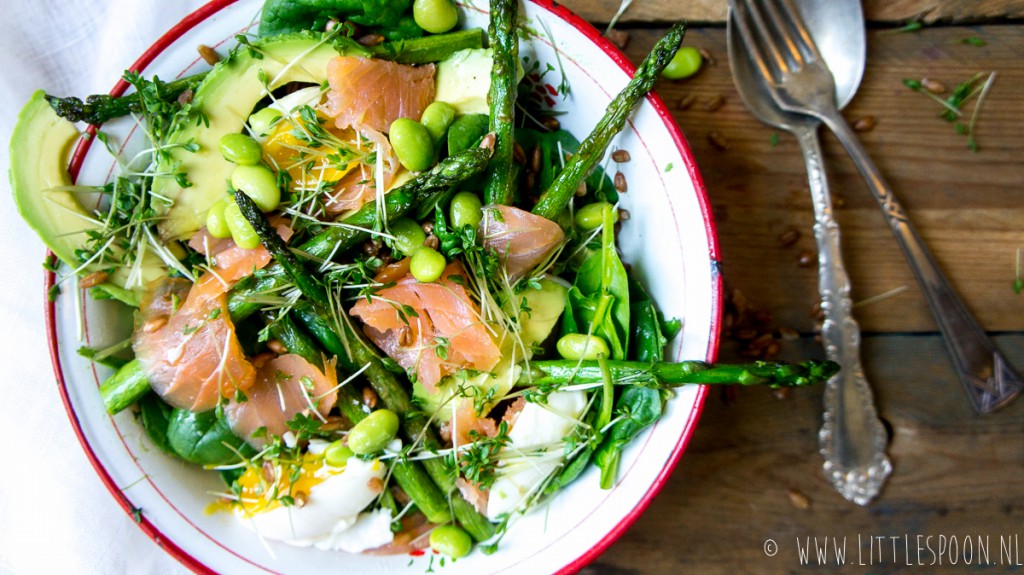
[(124, 388), (449, 172), (128, 384), (410, 475), (433, 48), (558, 373), (592, 149), (99, 108), (355, 229), (501, 173), (391, 393)]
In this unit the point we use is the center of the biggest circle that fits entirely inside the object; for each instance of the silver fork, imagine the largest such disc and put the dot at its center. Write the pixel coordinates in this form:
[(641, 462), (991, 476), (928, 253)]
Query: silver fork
[(799, 81)]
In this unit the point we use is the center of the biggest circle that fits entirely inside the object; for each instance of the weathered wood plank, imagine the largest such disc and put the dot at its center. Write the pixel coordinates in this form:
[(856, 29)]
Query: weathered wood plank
[(884, 11), (967, 206), (955, 473)]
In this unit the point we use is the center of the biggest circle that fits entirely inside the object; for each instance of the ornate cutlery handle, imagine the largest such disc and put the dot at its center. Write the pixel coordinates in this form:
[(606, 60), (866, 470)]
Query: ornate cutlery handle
[(852, 440), (990, 381)]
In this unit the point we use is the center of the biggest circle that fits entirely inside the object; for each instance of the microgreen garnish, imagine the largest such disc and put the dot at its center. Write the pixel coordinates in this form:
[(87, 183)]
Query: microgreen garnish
[(954, 104)]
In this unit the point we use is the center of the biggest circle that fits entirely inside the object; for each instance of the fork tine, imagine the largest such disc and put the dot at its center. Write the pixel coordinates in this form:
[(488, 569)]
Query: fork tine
[(792, 15), (778, 23), (755, 42)]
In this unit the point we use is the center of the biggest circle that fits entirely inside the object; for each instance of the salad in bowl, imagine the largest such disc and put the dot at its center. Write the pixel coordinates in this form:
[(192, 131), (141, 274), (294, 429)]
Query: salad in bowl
[(417, 283)]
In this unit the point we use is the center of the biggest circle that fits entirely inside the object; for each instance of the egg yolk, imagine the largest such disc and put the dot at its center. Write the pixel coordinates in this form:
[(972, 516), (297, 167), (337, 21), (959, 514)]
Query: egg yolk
[(264, 490), (310, 161)]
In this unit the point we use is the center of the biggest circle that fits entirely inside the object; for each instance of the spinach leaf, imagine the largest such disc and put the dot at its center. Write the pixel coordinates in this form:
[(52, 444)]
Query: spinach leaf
[(203, 438), (155, 415), (600, 298), (388, 17), (639, 407), (648, 340)]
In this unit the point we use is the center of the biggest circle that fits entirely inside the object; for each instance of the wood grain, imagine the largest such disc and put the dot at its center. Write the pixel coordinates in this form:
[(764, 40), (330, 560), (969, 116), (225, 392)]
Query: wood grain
[(955, 473), (882, 11), (966, 205)]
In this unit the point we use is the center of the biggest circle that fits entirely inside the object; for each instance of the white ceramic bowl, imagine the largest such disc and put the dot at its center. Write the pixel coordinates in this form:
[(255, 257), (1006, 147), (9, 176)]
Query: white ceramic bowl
[(669, 241)]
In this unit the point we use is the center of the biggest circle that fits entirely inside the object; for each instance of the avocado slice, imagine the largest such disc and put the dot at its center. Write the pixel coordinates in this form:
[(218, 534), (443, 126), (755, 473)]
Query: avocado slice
[(41, 145), (546, 306), (40, 148), (226, 97)]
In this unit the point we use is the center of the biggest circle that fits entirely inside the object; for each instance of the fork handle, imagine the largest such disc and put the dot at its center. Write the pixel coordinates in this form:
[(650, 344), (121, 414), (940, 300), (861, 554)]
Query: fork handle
[(852, 439), (989, 379)]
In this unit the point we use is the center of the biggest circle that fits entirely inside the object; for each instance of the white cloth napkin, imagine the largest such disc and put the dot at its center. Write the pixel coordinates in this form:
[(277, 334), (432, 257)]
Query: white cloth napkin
[(55, 514)]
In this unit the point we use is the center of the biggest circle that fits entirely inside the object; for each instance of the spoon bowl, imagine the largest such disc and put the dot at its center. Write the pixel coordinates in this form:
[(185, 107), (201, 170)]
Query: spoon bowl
[(838, 30)]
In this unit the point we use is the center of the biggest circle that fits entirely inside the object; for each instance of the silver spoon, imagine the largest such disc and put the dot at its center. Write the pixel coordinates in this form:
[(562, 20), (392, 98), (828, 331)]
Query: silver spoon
[(852, 439)]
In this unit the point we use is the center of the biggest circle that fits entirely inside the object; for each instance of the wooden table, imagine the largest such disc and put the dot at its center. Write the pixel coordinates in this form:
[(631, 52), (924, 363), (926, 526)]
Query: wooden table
[(752, 470)]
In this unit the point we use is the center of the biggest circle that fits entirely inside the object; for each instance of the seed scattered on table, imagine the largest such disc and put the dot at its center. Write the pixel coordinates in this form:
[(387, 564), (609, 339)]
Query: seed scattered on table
[(718, 141), (714, 103), (806, 259), (798, 499), (864, 124), (788, 334), (620, 156), (708, 57), (789, 237), (933, 86), (686, 102)]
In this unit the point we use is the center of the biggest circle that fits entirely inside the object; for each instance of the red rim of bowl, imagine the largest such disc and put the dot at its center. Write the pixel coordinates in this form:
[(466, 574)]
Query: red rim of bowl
[(613, 53)]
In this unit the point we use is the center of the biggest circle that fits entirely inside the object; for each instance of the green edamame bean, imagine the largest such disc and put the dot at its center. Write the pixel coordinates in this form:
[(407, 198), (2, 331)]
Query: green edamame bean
[(582, 346), (427, 264), (465, 132), (262, 122), (435, 16), (259, 183), (465, 209), (337, 454), (685, 63), (451, 541), (436, 119), (240, 149), (412, 144), (591, 216), (215, 222), (241, 230), (408, 235), (373, 433)]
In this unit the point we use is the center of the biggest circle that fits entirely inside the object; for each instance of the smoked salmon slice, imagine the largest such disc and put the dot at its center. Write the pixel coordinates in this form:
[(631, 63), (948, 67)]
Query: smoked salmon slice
[(231, 262), (359, 186), (185, 338), (188, 347), (370, 93), (521, 239), (430, 329), (284, 387)]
